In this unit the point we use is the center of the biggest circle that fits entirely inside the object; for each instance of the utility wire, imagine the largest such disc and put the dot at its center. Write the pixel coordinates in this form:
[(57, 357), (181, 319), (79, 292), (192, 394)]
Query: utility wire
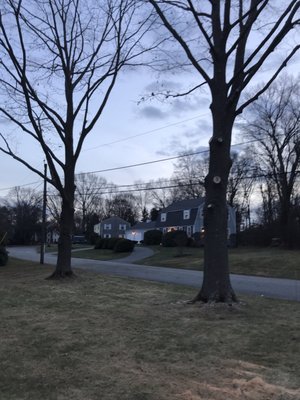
[(170, 186), (159, 160), (146, 162), (146, 133)]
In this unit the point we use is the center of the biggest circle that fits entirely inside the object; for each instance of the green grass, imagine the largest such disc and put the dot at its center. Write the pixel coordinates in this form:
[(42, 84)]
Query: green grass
[(97, 337), (99, 254), (270, 262)]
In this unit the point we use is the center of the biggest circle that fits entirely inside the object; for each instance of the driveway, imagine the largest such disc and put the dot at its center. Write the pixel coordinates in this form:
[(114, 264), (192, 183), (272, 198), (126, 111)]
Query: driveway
[(286, 289)]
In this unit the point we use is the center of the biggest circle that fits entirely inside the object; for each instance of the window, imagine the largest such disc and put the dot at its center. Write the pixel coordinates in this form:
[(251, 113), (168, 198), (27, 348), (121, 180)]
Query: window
[(122, 227), (186, 214), (163, 217), (121, 236), (189, 231), (107, 235)]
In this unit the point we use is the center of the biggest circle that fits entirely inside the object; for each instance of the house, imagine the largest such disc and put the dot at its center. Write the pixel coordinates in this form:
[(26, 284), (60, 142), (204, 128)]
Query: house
[(187, 215), (112, 227), (52, 234), (137, 231)]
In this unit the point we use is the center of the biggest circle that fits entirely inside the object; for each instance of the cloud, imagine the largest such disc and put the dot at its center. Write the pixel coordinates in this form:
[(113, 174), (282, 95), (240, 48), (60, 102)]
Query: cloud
[(152, 112), (192, 103), (163, 85)]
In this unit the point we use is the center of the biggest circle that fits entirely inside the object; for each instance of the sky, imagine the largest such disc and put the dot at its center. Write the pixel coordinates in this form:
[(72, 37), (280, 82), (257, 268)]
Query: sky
[(131, 131)]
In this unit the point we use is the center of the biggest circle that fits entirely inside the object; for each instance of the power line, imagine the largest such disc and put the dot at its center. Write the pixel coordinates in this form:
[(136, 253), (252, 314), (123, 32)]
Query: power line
[(166, 186), (25, 184), (144, 163), (159, 160), (146, 133)]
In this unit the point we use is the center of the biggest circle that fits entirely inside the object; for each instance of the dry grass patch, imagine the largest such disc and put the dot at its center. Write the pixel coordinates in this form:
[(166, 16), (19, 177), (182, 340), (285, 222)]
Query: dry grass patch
[(105, 338), (258, 261)]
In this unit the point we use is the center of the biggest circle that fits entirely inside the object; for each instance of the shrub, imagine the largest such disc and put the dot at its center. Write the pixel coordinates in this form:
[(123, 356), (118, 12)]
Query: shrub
[(93, 238), (175, 239), (124, 245), (105, 243), (99, 243), (3, 256), (152, 237), (111, 243), (190, 242)]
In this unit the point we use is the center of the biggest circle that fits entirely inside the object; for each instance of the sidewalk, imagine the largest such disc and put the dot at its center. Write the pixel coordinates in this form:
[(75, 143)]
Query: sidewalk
[(286, 289)]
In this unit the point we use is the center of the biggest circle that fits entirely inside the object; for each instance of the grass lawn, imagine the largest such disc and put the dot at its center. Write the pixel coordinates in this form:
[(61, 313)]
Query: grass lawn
[(271, 262), (97, 337), (52, 248), (99, 254)]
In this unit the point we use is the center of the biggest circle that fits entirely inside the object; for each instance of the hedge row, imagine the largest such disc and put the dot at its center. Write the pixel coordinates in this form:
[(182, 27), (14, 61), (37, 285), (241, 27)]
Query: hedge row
[(118, 245)]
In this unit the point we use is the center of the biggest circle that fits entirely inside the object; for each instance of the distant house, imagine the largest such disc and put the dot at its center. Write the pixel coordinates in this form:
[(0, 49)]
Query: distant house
[(52, 235), (112, 227), (137, 231), (187, 215)]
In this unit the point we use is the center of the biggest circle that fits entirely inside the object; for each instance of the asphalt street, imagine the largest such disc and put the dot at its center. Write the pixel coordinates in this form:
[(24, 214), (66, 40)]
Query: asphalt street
[(286, 289)]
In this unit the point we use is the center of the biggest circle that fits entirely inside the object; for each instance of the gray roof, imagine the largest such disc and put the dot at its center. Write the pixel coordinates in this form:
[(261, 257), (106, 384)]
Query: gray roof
[(183, 205), (144, 225), (114, 220), (175, 210)]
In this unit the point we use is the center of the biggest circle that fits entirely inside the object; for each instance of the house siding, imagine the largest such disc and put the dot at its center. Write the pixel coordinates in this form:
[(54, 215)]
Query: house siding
[(174, 217)]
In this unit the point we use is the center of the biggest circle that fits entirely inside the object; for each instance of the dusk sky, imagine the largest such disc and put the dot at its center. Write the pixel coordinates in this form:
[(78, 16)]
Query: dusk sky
[(131, 131)]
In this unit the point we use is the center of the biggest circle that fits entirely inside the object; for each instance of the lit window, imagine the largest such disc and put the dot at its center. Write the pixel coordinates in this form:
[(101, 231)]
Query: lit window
[(186, 214)]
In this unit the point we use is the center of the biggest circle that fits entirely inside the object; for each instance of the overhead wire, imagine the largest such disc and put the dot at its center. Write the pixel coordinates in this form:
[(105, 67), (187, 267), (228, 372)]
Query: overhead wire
[(145, 163), (146, 132)]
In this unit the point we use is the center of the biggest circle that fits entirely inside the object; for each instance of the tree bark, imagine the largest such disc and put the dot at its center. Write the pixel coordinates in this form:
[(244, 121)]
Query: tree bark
[(63, 265), (216, 286)]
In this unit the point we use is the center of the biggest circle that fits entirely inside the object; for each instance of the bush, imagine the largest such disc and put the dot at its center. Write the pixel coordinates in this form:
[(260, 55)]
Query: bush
[(3, 256), (99, 244), (105, 243), (190, 242), (123, 246), (93, 238), (111, 243), (175, 239), (152, 237)]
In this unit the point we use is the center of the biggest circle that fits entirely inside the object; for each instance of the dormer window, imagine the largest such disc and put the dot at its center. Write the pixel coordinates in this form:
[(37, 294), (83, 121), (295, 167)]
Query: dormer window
[(186, 214), (163, 217)]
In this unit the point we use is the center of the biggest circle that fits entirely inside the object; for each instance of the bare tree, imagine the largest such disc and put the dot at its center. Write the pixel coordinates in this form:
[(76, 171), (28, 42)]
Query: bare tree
[(226, 43), (25, 207), (160, 193), (123, 205), (189, 176), (89, 196), (274, 122), (241, 183), (59, 62)]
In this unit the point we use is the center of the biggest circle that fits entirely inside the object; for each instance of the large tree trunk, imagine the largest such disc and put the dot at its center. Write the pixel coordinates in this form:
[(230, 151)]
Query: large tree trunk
[(216, 285), (285, 223), (63, 266)]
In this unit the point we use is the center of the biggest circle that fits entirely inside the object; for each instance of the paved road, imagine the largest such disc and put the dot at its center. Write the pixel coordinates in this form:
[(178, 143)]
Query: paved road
[(287, 289)]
